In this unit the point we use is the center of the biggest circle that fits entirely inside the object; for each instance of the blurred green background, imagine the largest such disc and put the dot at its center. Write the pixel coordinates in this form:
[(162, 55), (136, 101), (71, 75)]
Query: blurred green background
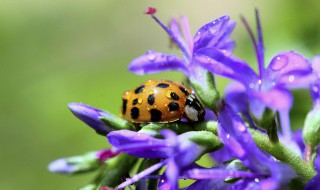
[(56, 52)]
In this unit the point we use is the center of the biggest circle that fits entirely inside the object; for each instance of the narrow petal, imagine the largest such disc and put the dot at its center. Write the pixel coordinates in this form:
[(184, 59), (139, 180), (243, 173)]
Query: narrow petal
[(212, 184), (139, 144), (212, 33), (90, 116), (289, 69), (220, 63), (217, 173), (154, 62)]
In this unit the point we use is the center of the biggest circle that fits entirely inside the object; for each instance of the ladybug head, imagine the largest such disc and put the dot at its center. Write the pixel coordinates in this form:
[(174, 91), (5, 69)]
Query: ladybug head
[(193, 109)]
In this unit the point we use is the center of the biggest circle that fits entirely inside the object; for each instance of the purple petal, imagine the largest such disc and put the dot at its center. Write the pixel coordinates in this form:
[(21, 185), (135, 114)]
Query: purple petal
[(169, 181), (186, 32), (221, 155), (316, 65), (236, 96), (154, 62), (212, 33), (289, 69), (217, 173), (314, 183), (220, 63), (212, 184), (90, 116), (225, 42), (175, 28), (275, 98), (139, 144)]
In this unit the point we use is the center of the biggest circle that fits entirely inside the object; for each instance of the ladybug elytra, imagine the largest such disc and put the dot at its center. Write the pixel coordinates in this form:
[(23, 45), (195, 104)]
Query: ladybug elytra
[(161, 101)]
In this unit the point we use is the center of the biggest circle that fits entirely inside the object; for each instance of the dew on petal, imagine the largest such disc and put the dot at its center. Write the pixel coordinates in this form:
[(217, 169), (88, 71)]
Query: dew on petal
[(278, 62), (256, 180), (151, 55), (251, 85), (291, 78), (228, 136)]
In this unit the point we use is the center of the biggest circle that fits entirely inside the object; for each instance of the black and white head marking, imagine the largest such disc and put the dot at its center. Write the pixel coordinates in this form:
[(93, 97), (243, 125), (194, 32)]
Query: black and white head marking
[(193, 108)]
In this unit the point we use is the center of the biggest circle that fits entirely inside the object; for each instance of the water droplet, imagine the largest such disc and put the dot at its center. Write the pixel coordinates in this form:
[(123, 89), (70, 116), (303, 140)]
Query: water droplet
[(197, 37), (241, 128), (251, 85), (214, 22), (170, 57), (256, 180), (315, 89), (162, 181), (259, 81), (196, 171), (278, 62), (152, 57), (291, 78), (228, 136)]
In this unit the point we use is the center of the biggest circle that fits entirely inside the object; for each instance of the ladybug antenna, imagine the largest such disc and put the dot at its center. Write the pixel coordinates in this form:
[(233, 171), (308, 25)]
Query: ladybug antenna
[(151, 11)]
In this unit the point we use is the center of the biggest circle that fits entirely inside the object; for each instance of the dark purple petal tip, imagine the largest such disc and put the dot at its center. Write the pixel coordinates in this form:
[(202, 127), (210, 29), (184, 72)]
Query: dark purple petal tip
[(90, 116)]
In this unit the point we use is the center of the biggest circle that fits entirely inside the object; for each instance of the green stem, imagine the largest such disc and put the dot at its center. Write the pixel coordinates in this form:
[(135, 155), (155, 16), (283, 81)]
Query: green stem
[(282, 153)]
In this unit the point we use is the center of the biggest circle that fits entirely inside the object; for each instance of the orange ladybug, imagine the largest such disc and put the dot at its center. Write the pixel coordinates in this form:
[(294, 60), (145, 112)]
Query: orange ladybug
[(161, 101)]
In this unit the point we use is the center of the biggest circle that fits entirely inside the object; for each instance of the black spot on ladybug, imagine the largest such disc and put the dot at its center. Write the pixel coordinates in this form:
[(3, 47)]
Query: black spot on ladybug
[(139, 89), (174, 96), (151, 99), (134, 113), (135, 101), (173, 106), (124, 106), (162, 85), (155, 115), (184, 90)]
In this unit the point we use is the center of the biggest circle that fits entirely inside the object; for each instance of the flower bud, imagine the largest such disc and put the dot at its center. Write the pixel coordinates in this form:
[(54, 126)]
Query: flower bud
[(311, 129), (76, 164)]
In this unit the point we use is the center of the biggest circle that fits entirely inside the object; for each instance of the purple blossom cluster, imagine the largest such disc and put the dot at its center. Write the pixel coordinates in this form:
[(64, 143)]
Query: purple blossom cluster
[(247, 133)]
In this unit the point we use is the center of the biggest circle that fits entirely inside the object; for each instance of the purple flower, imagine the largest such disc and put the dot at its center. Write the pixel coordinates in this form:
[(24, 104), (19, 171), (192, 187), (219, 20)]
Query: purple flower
[(234, 134), (178, 152), (214, 34), (269, 88)]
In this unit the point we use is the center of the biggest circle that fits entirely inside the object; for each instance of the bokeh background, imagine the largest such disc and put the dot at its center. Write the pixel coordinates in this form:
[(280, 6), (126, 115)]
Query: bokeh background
[(56, 52)]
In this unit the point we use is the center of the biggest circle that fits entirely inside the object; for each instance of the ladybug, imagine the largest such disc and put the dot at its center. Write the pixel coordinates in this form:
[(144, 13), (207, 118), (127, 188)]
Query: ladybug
[(161, 101)]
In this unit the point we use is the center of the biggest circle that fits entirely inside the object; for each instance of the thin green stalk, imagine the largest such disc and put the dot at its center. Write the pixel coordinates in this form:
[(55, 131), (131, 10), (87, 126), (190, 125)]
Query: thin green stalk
[(282, 153)]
